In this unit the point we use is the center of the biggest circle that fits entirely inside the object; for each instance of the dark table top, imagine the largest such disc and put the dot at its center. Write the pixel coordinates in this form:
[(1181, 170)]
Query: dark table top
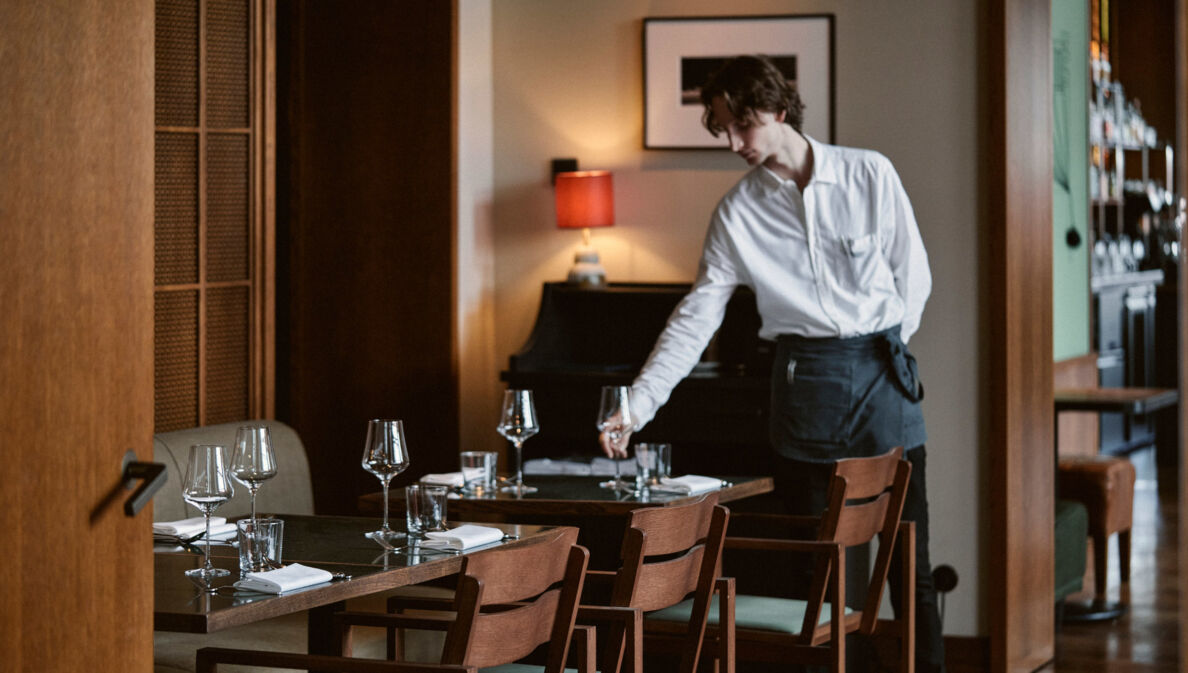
[(1132, 401), (570, 495), (332, 543)]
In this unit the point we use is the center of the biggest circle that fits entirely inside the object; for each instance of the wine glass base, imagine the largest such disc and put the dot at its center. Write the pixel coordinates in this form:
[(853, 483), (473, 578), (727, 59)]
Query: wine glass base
[(202, 573), (519, 489), (204, 578), (618, 485), (385, 535)]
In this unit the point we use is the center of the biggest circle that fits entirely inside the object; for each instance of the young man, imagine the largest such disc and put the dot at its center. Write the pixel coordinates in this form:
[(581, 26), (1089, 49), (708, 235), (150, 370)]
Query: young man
[(826, 238)]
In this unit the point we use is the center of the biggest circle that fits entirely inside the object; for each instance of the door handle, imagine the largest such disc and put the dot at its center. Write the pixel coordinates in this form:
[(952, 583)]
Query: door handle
[(152, 477)]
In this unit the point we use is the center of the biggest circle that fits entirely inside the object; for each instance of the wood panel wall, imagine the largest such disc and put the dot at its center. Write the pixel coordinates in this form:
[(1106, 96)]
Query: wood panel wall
[(365, 235), (1018, 274)]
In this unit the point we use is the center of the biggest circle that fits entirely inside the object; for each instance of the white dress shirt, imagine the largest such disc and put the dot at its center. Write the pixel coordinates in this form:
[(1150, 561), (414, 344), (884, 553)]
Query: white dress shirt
[(842, 259)]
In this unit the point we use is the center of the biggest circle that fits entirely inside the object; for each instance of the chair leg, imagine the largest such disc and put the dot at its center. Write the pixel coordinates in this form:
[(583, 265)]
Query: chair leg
[(1124, 555), (204, 663), (726, 642), (1100, 554)]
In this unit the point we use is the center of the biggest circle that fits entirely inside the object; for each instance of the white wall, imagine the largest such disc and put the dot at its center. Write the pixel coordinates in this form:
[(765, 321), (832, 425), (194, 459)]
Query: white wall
[(475, 272), (568, 83)]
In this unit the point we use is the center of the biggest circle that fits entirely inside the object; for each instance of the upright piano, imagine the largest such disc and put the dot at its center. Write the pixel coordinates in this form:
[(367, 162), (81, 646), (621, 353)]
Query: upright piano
[(584, 339)]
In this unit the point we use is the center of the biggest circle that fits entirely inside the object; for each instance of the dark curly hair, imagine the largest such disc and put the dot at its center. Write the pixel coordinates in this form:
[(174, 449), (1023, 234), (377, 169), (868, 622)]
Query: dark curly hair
[(749, 84)]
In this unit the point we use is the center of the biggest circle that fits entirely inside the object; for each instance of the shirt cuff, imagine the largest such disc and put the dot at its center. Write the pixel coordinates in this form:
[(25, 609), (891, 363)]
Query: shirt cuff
[(643, 407)]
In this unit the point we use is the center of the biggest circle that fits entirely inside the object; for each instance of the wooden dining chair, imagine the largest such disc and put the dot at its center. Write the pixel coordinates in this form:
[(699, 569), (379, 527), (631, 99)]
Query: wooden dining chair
[(509, 603), (865, 501), (668, 555)]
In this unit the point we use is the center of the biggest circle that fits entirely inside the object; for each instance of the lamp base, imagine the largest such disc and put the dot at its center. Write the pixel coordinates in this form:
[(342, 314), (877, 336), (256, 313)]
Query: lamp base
[(587, 271)]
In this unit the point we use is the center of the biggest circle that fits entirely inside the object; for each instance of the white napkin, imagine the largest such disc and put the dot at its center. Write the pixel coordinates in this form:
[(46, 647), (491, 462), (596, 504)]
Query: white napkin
[(690, 484), (466, 536), (444, 479), (548, 466), (188, 527), (291, 577)]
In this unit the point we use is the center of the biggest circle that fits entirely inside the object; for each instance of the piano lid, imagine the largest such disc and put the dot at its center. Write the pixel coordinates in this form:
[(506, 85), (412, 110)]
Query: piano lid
[(612, 330)]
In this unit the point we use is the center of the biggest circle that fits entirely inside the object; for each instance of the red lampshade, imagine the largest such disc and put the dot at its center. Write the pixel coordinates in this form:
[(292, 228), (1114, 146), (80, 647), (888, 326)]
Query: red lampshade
[(585, 199)]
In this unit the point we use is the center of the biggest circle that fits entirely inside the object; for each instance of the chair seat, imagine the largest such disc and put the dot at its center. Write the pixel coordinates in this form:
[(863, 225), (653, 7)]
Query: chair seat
[(1105, 484), (762, 613)]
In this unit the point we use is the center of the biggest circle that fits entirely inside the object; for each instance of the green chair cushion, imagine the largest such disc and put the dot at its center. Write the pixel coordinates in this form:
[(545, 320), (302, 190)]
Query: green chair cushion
[(1071, 543), (766, 613)]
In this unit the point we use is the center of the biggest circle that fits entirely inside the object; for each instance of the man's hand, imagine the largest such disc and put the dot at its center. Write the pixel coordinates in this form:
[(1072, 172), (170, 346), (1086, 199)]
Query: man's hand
[(614, 438)]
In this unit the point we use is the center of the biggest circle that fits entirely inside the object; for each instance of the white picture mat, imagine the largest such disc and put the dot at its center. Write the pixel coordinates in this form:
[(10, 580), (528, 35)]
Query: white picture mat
[(668, 124)]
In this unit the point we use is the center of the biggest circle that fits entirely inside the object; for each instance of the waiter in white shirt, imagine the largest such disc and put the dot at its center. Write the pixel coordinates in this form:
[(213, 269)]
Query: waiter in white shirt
[(826, 238)]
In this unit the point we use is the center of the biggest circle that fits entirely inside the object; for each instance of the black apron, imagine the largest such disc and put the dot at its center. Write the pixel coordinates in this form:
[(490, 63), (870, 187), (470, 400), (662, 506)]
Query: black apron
[(838, 398)]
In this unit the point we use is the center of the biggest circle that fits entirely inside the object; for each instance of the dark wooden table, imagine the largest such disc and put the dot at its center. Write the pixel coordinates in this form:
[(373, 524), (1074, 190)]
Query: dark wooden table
[(1131, 401), (572, 500), (336, 544), (569, 495)]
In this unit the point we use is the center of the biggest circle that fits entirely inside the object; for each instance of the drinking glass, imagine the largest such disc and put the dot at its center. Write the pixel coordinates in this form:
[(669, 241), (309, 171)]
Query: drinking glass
[(385, 455), (517, 423), (614, 418), (207, 485), (253, 461)]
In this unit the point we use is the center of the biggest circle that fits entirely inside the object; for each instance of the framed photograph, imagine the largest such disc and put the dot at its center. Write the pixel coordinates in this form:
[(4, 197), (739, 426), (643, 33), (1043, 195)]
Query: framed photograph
[(680, 54)]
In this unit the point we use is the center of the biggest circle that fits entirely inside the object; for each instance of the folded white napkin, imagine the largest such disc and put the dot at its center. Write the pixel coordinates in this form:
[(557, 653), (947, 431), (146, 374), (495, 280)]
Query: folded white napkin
[(549, 466), (289, 578), (690, 484), (188, 527), (443, 479), (466, 536)]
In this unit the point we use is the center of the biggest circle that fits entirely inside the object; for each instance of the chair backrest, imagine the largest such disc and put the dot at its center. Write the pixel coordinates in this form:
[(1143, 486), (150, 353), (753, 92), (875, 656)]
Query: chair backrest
[(669, 553), (511, 600), (865, 500)]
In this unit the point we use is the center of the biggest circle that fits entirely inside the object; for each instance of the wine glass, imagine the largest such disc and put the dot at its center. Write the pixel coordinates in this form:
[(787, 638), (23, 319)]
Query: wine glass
[(517, 423), (207, 485), (385, 455), (253, 462), (614, 418)]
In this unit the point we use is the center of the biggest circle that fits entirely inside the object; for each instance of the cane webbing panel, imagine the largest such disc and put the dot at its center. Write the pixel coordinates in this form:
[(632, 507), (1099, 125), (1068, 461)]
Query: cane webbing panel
[(177, 63), (227, 207), (205, 230), (227, 55), (227, 354), (175, 235), (175, 363)]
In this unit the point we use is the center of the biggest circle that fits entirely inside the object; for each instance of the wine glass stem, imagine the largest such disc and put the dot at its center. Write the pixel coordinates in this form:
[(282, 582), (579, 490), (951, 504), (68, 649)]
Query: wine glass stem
[(255, 538), (207, 567), (618, 478), (385, 526), (519, 463)]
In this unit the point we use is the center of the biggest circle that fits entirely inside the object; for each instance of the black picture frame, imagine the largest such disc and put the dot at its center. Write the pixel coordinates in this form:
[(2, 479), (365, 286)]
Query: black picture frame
[(678, 51)]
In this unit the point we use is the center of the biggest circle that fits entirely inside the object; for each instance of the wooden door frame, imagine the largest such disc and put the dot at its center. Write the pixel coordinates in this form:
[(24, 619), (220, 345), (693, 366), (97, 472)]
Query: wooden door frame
[(1018, 242)]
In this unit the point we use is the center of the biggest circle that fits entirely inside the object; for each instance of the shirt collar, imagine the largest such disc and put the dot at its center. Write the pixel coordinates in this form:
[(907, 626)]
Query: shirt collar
[(824, 167)]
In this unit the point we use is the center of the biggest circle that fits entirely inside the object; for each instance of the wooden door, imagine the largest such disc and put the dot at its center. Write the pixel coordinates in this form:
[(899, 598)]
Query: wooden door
[(76, 204)]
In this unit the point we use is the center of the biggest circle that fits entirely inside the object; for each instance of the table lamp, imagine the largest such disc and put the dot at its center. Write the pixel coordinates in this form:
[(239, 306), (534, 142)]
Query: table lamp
[(585, 199)]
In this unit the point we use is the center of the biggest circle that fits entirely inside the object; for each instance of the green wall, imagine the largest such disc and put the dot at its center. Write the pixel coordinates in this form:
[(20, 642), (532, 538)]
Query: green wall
[(1070, 197)]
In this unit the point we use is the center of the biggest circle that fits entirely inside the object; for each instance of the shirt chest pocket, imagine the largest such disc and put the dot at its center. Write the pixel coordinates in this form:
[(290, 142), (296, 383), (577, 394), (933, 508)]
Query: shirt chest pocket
[(863, 259)]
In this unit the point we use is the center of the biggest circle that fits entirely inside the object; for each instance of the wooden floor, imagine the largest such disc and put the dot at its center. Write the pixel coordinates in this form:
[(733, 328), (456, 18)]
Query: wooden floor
[(1146, 639)]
